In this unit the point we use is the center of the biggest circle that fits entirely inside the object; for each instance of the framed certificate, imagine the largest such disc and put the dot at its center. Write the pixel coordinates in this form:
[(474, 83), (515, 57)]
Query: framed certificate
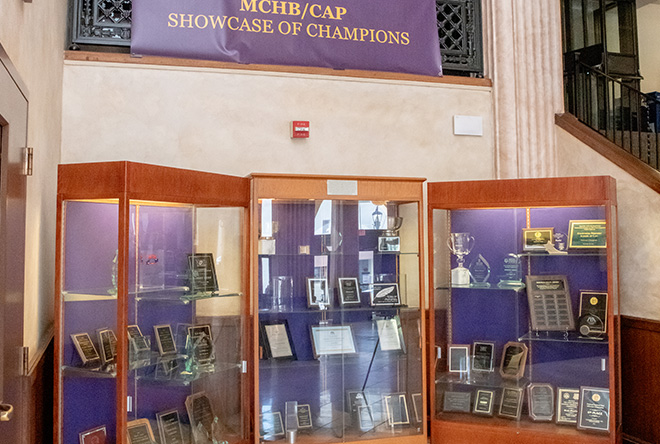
[(86, 349), (317, 293), (568, 404), (389, 334), (587, 234), (108, 345), (164, 339), (458, 358), (332, 340), (271, 425), (513, 362), (594, 413), (169, 427), (349, 291), (385, 294), (202, 272), (139, 432), (535, 239), (511, 402), (93, 436), (396, 409), (200, 413), (276, 340)]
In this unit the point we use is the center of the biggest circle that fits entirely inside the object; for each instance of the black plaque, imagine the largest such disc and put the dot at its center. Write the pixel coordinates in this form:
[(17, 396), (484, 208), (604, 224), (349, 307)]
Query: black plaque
[(396, 409), (200, 411), (108, 345), (594, 303), (202, 273), (165, 339), (304, 415), (568, 404), (139, 432), (385, 294), (511, 402), (349, 291), (514, 358), (550, 305), (169, 427), (93, 436), (86, 349), (139, 342), (594, 409), (541, 402), (482, 356), (483, 402), (535, 239), (201, 340), (457, 402)]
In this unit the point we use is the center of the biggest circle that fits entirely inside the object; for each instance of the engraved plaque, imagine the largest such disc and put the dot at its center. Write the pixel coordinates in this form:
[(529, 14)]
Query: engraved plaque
[(550, 306)]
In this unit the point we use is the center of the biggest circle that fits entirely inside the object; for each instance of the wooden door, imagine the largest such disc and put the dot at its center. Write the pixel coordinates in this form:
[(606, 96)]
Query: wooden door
[(13, 135)]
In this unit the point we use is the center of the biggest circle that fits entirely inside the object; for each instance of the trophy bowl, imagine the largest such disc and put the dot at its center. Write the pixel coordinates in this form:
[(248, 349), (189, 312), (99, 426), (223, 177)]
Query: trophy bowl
[(460, 244)]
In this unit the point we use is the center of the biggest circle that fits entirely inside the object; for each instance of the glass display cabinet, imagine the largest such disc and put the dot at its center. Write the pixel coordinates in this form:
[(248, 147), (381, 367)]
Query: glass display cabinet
[(337, 294), (151, 306), (524, 311)]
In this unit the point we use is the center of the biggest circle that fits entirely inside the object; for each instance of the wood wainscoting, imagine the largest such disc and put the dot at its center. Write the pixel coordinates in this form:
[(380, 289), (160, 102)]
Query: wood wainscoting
[(640, 374), (38, 390)]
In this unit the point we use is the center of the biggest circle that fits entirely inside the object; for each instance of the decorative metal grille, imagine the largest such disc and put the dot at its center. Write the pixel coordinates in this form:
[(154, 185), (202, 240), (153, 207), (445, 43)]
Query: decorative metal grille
[(102, 22), (459, 29)]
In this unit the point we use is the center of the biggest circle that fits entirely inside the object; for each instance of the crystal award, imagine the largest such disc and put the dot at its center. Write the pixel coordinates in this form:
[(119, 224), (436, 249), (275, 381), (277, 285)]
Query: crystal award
[(480, 272), (511, 271)]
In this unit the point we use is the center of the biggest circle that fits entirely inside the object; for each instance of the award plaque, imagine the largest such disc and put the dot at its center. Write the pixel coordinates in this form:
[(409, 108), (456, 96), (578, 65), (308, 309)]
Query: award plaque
[(385, 294), (483, 354), (317, 293), (388, 334), (456, 402), (276, 340), (139, 342), (483, 402), (511, 402), (396, 409), (593, 303), (389, 243), (202, 273), (164, 339), (349, 291), (93, 436), (479, 272), (587, 234), (418, 407), (550, 306), (541, 402), (511, 272), (201, 340), (568, 403), (108, 345), (86, 349), (270, 425), (365, 416), (304, 414), (535, 239), (332, 340), (513, 362), (458, 358), (594, 413), (139, 432), (202, 418), (169, 427)]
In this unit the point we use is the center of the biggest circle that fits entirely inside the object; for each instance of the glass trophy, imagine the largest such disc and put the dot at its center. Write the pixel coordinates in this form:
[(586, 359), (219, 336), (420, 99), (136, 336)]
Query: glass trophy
[(460, 244), (480, 272), (282, 293), (511, 272), (291, 420)]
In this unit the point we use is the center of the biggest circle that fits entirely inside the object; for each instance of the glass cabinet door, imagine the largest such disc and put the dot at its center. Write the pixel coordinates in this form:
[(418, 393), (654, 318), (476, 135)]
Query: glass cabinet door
[(339, 320), (524, 335)]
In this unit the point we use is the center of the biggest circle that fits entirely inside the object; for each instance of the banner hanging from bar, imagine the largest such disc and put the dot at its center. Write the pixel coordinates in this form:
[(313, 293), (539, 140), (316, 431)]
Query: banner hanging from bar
[(380, 35)]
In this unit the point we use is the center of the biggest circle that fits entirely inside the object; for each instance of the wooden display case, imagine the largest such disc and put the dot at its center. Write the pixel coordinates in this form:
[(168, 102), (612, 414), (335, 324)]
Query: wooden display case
[(338, 302), (151, 305), (524, 273)]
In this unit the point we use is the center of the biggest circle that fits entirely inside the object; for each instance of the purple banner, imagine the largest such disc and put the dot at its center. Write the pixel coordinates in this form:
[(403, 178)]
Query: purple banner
[(381, 35)]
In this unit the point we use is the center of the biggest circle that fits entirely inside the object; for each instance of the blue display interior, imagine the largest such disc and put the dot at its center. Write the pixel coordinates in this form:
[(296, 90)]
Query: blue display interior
[(323, 383)]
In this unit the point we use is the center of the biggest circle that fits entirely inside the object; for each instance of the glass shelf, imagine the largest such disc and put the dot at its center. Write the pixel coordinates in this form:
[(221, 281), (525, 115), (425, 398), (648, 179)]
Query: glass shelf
[(480, 379), (292, 255), (560, 336), (82, 372), (517, 288), (312, 311)]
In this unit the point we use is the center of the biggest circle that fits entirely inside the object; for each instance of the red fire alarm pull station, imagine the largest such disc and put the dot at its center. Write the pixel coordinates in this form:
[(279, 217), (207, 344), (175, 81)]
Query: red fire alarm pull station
[(300, 129)]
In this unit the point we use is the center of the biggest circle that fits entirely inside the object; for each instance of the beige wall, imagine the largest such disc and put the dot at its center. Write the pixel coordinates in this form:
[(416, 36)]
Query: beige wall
[(648, 20), (236, 122), (639, 226), (33, 34)]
